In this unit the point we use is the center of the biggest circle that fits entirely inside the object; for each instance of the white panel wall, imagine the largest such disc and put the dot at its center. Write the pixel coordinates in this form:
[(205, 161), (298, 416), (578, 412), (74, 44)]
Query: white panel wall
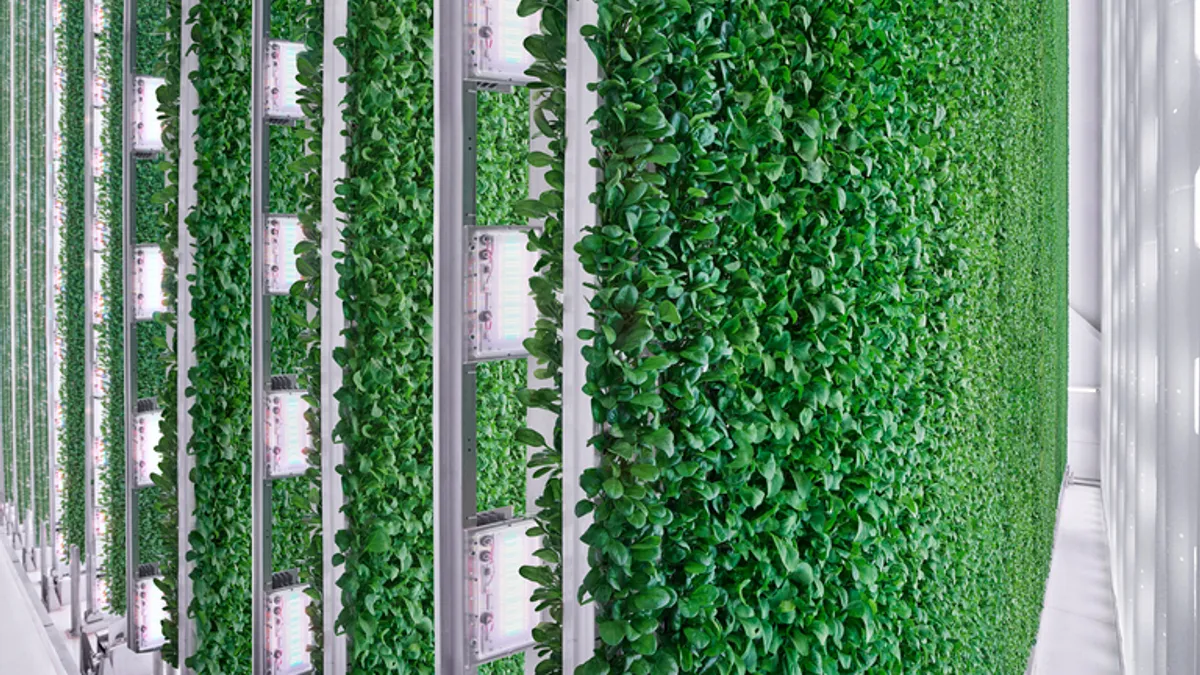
[(1150, 339)]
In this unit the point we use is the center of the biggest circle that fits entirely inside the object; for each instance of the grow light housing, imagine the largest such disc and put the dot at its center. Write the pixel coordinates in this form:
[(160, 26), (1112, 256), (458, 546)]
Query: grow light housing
[(283, 234), (500, 614), (500, 310), (282, 83), (287, 441), (148, 270), (147, 128), (147, 432), (149, 611), (289, 634), (495, 46)]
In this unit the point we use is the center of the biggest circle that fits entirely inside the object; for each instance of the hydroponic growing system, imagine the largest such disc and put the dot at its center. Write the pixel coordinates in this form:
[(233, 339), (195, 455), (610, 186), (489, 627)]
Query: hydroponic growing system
[(415, 336)]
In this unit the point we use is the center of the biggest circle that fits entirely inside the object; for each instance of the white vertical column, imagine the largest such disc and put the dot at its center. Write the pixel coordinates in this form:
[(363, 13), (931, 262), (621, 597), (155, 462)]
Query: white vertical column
[(51, 258), (185, 336), (1178, 338), (1146, 295), (333, 171), (89, 294), (579, 620)]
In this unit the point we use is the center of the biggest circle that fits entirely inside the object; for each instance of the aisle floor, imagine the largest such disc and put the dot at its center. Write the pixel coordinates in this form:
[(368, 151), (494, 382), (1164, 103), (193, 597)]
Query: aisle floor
[(1078, 632), (24, 644)]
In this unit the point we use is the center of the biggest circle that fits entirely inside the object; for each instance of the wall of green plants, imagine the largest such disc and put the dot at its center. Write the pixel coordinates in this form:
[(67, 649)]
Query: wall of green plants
[(825, 273), (220, 380), (71, 312)]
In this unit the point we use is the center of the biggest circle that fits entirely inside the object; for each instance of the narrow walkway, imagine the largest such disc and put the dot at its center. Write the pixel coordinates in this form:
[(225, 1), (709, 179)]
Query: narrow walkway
[(1078, 633), (24, 644)]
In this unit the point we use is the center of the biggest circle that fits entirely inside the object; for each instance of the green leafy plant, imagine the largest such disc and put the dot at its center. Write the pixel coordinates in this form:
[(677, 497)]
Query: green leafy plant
[(220, 378), (165, 512), (386, 286), (71, 313), (807, 299)]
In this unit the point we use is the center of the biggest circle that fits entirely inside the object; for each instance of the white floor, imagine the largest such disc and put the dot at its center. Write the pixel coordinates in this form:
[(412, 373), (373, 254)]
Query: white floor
[(24, 644), (1078, 633)]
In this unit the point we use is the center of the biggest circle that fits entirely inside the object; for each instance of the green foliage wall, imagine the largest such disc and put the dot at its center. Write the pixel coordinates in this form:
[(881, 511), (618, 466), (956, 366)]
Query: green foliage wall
[(825, 274), (386, 288), (71, 313), (220, 380)]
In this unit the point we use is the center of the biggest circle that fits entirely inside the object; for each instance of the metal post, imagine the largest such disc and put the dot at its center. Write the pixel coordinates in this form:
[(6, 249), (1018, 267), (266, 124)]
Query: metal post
[(260, 337), (129, 242), (51, 250), (76, 622), (333, 171), (185, 328), (28, 87), (453, 379), (12, 242), (579, 620), (89, 290), (1178, 335)]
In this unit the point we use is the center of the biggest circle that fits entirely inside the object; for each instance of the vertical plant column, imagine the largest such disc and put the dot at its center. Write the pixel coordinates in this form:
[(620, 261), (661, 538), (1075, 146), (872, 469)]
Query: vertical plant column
[(20, 289), (150, 335), (798, 261), (291, 535), (166, 511), (37, 150), (72, 313), (220, 380), (386, 285), (5, 267), (308, 168), (549, 100)]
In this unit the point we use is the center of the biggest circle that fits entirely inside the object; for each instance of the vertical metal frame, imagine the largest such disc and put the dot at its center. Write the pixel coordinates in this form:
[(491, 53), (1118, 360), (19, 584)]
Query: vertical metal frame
[(1178, 336), (89, 290), (260, 338), (333, 320), (51, 257), (1146, 221), (29, 274), (185, 335), (454, 456), (129, 242), (12, 248), (581, 178)]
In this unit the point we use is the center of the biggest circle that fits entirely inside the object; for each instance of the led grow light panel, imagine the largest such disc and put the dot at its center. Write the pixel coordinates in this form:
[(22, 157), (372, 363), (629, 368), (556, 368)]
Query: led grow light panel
[(496, 41), (283, 87), (149, 611), (500, 310), (500, 614), (287, 439), (283, 234), (147, 432), (289, 632), (148, 270), (147, 128)]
